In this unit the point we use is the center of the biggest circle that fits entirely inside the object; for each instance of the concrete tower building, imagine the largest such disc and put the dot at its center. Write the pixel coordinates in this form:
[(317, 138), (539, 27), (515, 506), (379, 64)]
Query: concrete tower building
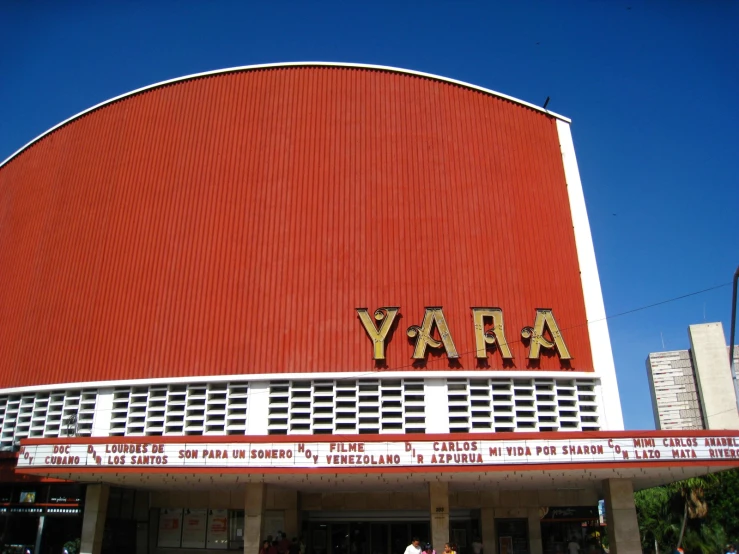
[(674, 393), (693, 389)]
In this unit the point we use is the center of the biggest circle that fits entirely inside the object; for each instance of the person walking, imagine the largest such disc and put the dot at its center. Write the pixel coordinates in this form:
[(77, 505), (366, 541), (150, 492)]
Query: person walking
[(477, 546), (414, 547), (573, 547), (283, 547)]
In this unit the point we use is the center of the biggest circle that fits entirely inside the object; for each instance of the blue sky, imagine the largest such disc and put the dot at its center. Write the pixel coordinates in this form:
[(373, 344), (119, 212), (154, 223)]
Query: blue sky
[(651, 89)]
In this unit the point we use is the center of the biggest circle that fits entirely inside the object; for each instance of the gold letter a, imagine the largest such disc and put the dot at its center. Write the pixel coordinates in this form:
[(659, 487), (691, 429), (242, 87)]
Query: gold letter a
[(425, 335), (545, 319)]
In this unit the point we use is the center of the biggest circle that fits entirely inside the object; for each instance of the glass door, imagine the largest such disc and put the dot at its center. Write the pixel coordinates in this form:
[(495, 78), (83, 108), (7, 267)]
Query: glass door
[(363, 537), (399, 538), (379, 538), (359, 537), (340, 542)]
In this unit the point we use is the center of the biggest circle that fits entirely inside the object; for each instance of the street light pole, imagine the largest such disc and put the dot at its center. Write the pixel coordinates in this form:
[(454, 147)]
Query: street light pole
[(731, 339)]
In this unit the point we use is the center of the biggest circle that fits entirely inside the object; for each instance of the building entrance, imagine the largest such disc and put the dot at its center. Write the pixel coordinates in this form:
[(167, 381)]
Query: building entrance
[(382, 532), (363, 537)]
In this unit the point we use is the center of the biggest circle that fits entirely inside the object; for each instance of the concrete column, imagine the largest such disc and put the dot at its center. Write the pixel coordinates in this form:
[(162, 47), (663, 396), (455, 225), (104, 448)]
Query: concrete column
[(254, 502), (487, 524), (439, 506), (39, 533), (93, 520), (291, 515), (623, 528), (535, 545)]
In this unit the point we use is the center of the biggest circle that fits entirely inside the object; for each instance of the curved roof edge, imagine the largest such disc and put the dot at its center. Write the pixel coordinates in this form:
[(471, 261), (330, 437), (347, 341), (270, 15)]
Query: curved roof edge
[(278, 65)]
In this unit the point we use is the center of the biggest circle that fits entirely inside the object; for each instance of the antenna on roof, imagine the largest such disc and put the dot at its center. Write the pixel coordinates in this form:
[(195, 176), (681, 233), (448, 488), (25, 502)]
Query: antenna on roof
[(546, 102)]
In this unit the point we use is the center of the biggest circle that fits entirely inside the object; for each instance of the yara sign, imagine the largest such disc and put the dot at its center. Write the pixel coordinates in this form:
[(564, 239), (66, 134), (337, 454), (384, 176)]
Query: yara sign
[(484, 338)]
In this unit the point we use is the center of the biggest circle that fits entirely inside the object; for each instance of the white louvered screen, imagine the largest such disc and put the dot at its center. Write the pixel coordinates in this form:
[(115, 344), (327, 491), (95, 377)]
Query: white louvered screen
[(302, 407), (344, 406), (509, 405), (187, 409), (46, 414)]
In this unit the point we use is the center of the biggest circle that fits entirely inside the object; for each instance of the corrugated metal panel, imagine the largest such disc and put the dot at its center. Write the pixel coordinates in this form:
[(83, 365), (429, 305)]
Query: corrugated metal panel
[(232, 224)]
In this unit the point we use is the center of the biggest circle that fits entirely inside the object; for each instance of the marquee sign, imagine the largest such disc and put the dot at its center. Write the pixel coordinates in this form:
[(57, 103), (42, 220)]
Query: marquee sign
[(378, 455)]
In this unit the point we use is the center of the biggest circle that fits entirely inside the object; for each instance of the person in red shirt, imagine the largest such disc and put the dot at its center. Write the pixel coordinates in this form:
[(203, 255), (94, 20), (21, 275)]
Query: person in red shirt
[(283, 547)]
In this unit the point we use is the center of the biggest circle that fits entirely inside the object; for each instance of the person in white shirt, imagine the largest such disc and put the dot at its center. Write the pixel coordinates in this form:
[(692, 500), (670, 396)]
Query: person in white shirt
[(573, 547), (414, 547)]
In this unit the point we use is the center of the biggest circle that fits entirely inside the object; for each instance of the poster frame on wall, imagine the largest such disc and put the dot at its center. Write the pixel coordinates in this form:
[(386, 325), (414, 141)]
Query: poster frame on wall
[(194, 538), (217, 536), (173, 536)]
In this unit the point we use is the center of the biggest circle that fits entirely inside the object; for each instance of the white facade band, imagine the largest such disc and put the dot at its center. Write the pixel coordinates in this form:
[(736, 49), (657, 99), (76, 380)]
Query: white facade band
[(595, 311), (410, 405)]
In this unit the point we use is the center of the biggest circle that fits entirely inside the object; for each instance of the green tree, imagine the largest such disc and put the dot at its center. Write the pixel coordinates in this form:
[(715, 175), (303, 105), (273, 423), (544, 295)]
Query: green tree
[(722, 498), (677, 515), (654, 512), (692, 492), (705, 539)]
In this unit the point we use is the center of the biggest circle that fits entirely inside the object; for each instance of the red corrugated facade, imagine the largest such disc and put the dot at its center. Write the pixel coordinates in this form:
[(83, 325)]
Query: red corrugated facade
[(231, 224)]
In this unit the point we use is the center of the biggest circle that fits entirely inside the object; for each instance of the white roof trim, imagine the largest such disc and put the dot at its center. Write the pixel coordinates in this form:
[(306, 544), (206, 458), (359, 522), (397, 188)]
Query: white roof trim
[(278, 65)]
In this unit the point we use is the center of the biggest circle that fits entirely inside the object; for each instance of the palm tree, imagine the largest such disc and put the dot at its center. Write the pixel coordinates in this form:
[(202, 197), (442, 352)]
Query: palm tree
[(664, 514), (694, 505)]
